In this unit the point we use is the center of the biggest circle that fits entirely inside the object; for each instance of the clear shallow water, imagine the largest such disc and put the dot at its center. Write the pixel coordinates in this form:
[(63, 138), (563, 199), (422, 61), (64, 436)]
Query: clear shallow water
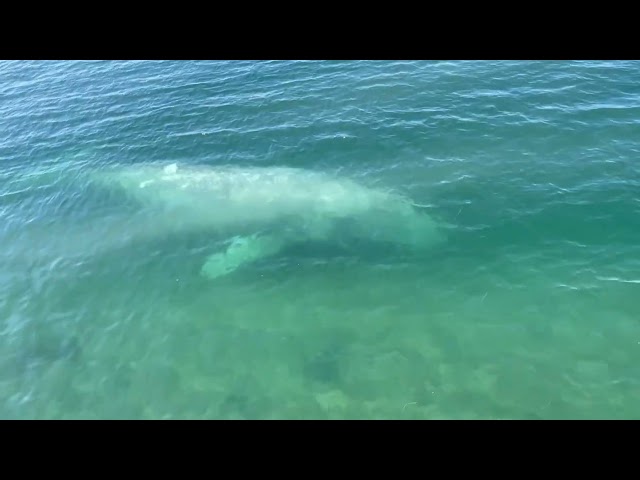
[(528, 310)]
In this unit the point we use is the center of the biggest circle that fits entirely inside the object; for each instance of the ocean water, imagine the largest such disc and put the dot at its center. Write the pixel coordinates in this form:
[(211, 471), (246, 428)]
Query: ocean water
[(528, 309)]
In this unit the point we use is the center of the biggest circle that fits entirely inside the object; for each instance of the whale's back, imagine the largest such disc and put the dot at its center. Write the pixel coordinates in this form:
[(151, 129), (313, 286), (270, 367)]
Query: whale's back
[(234, 194), (229, 197)]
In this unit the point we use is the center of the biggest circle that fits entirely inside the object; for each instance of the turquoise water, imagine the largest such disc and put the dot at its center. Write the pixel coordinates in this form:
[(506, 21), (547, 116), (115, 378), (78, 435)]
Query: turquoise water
[(528, 309)]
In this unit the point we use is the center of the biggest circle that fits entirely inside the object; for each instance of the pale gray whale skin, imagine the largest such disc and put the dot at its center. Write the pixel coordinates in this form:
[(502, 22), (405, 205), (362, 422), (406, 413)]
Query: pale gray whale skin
[(248, 213), (263, 209)]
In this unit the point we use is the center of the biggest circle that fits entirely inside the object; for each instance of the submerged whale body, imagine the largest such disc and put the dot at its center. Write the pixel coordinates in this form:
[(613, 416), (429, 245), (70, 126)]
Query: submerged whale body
[(262, 210)]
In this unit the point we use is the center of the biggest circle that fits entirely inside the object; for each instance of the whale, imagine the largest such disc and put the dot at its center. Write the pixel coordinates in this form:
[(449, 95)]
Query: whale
[(261, 211)]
